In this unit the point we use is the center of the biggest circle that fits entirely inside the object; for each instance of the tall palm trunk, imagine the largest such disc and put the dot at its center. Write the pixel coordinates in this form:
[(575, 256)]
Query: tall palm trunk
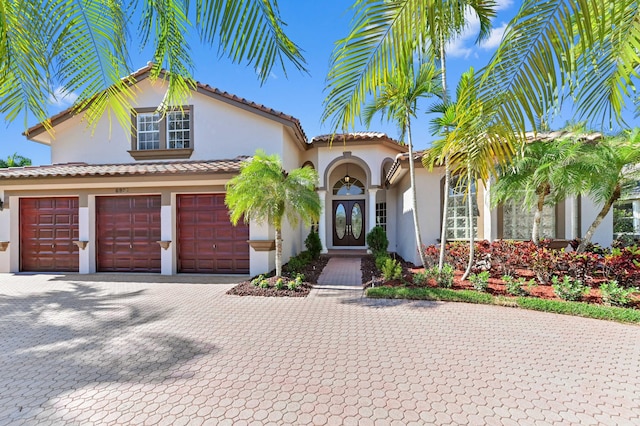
[(278, 251), (469, 226), (543, 191), (414, 197), (447, 171), (598, 220)]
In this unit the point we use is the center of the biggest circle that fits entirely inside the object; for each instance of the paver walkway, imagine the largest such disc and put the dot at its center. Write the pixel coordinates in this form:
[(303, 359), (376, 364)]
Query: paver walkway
[(83, 350), (339, 275)]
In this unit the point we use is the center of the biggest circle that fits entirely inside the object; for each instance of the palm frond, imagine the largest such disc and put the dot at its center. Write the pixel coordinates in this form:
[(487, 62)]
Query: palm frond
[(249, 30)]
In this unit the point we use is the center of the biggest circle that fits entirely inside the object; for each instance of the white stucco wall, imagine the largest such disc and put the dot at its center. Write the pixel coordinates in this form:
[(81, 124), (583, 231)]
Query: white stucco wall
[(604, 232), (221, 131), (428, 190)]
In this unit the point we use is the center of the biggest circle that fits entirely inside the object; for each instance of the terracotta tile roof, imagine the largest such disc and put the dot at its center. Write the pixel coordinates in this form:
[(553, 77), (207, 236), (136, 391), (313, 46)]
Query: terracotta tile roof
[(353, 136), (144, 73), (130, 169)]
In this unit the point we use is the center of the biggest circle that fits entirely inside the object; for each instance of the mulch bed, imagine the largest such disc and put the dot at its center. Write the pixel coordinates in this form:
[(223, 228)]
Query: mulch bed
[(311, 274), (371, 277)]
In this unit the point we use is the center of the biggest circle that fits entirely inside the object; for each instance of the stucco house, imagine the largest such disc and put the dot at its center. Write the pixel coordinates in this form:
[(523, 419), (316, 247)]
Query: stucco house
[(152, 199)]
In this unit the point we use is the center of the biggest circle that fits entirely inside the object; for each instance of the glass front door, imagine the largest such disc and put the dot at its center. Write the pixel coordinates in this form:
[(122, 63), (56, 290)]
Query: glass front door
[(348, 223)]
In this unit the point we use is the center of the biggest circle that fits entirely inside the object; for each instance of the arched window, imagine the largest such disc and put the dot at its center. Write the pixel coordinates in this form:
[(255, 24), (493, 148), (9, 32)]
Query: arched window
[(348, 186)]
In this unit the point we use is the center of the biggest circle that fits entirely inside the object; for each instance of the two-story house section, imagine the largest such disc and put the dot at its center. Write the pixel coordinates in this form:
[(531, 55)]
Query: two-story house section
[(151, 198)]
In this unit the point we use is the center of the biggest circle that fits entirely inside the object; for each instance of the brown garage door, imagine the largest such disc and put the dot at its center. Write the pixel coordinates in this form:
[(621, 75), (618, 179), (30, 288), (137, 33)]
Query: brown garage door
[(48, 227), (207, 241), (127, 230)]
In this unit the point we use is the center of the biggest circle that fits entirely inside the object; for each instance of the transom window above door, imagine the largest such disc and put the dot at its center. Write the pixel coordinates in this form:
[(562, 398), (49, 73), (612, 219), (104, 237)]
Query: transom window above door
[(350, 186), (157, 137)]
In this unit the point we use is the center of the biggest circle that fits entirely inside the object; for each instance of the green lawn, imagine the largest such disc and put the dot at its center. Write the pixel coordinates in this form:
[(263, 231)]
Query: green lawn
[(580, 309)]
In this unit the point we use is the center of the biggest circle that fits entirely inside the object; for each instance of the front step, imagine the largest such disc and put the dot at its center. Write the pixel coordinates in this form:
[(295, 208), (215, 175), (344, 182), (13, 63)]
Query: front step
[(346, 253)]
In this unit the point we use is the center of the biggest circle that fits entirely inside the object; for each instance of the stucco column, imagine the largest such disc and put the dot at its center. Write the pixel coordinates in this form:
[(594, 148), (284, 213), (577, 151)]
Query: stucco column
[(5, 235), (636, 216), (85, 213), (167, 234), (322, 223), (372, 209)]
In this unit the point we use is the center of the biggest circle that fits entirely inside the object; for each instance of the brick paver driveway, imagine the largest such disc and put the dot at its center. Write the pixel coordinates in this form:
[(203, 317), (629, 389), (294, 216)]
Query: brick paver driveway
[(78, 350)]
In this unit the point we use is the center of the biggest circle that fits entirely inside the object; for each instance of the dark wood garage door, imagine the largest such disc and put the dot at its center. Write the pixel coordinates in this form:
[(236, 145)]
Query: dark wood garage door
[(48, 228), (128, 229), (207, 241)]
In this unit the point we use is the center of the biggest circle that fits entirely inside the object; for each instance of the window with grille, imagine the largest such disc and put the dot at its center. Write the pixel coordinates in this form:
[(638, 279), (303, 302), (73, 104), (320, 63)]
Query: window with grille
[(162, 136), (148, 131), (381, 215), (457, 217), (178, 130)]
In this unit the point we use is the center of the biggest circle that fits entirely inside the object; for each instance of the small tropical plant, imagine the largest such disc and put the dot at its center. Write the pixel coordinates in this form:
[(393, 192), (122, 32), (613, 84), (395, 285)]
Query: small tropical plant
[(257, 280), (614, 294), (391, 269), (568, 288), (444, 277), (377, 241), (265, 192), (279, 284), (421, 278), (514, 286), (480, 280), (264, 283)]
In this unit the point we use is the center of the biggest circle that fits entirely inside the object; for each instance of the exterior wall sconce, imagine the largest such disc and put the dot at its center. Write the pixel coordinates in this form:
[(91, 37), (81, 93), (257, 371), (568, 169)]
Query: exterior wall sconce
[(81, 244), (164, 244)]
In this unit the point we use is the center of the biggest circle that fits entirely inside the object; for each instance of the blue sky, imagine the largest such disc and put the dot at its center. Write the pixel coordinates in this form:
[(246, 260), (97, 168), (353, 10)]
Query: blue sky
[(315, 26)]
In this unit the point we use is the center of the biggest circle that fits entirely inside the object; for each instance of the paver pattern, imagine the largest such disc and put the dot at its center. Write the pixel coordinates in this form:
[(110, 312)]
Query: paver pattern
[(90, 350)]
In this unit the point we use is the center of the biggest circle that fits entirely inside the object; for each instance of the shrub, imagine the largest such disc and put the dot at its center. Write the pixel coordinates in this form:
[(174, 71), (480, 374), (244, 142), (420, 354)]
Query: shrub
[(444, 278), (568, 288), (480, 280), (257, 280), (297, 263), (264, 283), (279, 284), (377, 240), (421, 278), (381, 259), (514, 286), (613, 294), (391, 269), (623, 265), (313, 244)]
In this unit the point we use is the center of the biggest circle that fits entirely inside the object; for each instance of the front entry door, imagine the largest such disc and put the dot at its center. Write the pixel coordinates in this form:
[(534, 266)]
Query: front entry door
[(348, 223)]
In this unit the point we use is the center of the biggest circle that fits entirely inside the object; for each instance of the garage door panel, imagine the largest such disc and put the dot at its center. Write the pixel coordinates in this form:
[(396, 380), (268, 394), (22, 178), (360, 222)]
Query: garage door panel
[(48, 227), (207, 241), (127, 230)]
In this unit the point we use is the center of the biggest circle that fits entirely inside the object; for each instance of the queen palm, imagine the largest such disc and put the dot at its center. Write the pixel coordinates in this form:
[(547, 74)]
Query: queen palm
[(398, 102), (470, 142), (265, 192), (385, 34), (83, 46)]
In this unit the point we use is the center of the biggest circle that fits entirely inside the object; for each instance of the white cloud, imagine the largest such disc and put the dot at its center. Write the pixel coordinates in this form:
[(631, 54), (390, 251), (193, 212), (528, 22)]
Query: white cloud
[(494, 38), (503, 4), (61, 98)]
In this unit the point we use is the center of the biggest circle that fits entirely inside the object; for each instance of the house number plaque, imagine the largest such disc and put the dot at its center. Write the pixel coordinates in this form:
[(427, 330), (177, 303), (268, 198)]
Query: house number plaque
[(121, 190)]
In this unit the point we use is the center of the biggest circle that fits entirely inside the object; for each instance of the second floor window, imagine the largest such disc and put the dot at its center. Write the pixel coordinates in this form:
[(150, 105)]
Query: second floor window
[(156, 132)]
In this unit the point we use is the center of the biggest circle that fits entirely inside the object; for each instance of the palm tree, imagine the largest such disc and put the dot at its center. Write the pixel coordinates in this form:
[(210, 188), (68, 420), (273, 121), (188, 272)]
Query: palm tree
[(264, 192), (544, 172), (587, 50), (471, 143), (83, 46), (398, 102), (386, 33), (617, 160), (15, 160)]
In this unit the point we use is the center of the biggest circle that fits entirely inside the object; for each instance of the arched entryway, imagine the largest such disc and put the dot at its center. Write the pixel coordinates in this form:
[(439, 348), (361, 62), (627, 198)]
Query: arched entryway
[(348, 183)]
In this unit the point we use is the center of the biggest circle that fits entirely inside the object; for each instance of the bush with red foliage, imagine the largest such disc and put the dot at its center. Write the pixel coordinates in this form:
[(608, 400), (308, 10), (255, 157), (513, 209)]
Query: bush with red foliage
[(623, 265)]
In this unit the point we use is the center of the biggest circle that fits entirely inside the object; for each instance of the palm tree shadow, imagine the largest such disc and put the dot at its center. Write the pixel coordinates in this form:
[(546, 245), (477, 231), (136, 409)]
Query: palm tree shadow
[(59, 341), (367, 302)]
